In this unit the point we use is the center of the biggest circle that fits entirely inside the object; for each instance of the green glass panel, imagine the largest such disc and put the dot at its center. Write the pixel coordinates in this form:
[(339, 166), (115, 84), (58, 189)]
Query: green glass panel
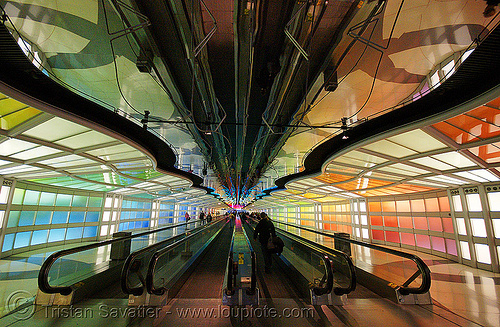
[(31, 197), (18, 196), (63, 200), (79, 201), (13, 218), (47, 199), (95, 202)]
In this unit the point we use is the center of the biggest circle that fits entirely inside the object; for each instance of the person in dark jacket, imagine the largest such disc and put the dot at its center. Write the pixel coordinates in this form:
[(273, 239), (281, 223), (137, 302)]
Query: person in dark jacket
[(263, 231)]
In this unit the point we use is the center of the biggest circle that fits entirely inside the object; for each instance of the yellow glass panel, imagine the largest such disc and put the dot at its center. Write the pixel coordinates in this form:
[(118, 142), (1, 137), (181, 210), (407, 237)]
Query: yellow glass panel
[(8, 105), (12, 120)]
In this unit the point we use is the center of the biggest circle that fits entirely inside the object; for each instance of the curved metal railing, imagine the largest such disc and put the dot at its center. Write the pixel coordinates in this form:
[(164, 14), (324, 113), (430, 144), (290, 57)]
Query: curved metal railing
[(43, 274), (133, 263), (423, 269), (150, 281), (326, 255)]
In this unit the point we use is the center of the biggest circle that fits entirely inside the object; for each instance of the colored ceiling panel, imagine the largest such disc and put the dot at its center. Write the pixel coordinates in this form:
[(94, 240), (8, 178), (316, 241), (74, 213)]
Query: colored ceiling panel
[(85, 139), (11, 146), (390, 148), (454, 133), (417, 140), (455, 159), (55, 129), (403, 169), (332, 178), (432, 163), (490, 153), (363, 157)]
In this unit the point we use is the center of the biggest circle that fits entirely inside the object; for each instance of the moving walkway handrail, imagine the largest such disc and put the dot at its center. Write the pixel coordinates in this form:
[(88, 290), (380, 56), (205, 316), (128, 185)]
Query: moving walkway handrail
[(130, 262), (423, 269), (253, 257), (150, 286), (43, 274), (327, 261), (230, 267)]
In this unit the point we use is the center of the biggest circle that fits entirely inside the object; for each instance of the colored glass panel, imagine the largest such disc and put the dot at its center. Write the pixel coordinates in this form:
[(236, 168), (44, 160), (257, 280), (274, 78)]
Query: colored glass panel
[(432, 204), (438, 244), (374, 206), (423, 241), (405, 222), (39, 237), (378, 234), (451, 246), (376, 220), (417, 205), (403, 206), (388, 206), (390, 221), (391, 236), (408, 238), (420, 223), (435, 224), (444, 204), (447, 225)]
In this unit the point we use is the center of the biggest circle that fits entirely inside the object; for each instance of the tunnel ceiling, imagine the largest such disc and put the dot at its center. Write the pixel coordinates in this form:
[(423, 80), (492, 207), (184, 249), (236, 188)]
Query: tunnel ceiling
[(242, 90)]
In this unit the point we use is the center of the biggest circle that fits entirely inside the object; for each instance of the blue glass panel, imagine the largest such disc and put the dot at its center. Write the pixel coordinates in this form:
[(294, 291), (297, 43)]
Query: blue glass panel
[(47, 199), (137, 224), (90, 231), (92, 216), (79, 201), (26, 218), (63, 200), (31, 197), (148, 205), (22, 240), (39, 237), (146, 214), (57, 234), (74, 233), (76, 216), (145, 224), (8, 241), (60, 217), (13, 218), (43, 217)]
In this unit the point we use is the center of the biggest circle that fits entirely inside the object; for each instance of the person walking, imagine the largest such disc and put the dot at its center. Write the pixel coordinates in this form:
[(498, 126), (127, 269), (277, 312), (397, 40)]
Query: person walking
[(263, 231)]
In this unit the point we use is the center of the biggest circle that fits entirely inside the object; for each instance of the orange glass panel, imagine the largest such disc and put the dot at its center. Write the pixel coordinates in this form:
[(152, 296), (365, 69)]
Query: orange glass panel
[(403, 206), (376, 220), (374, 206), (389, 206), (405, 222), (435, 224), (448, 225), (417, 205), (390, 221), (307, 223), (378, 234), (391, 236), (326, 226), (432, 205), (332, 178), (455, 133), (334, 227), (408, 238), (438, 244), (423, 241), (489, 153), (444, 204), (420, 223), (451, 246)]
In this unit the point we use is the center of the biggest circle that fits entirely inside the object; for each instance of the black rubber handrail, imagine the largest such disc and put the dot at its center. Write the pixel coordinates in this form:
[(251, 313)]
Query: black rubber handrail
[(253, 276), (150, 286), (325, 254), (423, 269), (230, 268), (43, 274), (131, 262)]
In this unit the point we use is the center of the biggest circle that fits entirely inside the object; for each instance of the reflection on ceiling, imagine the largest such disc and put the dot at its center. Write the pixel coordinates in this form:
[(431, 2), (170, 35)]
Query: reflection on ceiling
[(39, 147), (462, 150), (248, 106)]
